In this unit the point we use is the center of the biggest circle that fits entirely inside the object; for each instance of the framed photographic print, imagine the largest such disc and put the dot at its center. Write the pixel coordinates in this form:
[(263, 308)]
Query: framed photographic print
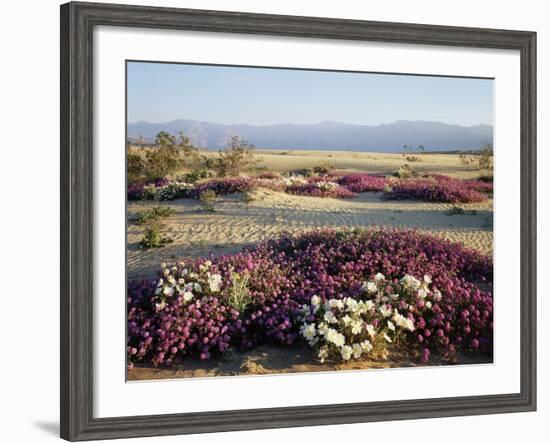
[(272, 221)]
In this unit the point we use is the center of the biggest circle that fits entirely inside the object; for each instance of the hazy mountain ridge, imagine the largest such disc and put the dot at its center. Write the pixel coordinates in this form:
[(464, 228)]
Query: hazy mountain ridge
[(326, 135)]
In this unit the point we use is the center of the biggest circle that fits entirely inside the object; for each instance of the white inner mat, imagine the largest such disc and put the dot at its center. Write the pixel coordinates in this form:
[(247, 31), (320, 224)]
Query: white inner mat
[(114, 397)]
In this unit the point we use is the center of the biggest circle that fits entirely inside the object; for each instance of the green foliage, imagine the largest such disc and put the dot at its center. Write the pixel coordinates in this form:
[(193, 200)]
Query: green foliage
[(485, 160), (324, 168), (153, 214), (237, 157), (238, 296), (152, 238), (168, 155), (482, 160), (410, 149), (405, 171), (195, 175), (135, 166), (207, 200), (486, 178), (456, 210)]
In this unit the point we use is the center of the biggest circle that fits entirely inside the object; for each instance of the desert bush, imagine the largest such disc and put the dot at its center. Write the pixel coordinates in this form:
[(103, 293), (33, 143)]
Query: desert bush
[(486, 178), (237, 157), (135, 166), (485, 160), (238, 294), (269, 175), (153, 238), (456, 210), (303, 172), (405, 171), (324, 168), (153, 214), (194, 176), (437, 294), (467, 160), (207, 199)]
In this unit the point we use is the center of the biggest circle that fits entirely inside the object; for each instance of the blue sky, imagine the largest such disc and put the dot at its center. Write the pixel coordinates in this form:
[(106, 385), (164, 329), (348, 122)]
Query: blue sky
[(161, 92)]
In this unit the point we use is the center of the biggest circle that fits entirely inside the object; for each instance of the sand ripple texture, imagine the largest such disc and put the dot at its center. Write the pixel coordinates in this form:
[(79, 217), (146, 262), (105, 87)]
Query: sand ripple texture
[(235, 223)]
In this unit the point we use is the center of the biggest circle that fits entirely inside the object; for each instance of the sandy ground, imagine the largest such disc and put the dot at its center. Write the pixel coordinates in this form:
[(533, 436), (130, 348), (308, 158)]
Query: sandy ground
[(267, 359), (235, 223), (373, 162)]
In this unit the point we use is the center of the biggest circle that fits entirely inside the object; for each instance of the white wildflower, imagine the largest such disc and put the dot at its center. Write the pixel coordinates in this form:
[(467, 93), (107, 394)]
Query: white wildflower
[(387, 338), (366, 345), (410, 282), (322, 354), (322, 328), (351, 304), (391, 326), (370, 330), (347, 320), (334, 337), (357, 350), (422, 293), (187, 296), (308, 331), (215, 281), (385, 310), (370, 287), (330, 317), (335, 303), (356, 327), (345, 352), (379, 278)]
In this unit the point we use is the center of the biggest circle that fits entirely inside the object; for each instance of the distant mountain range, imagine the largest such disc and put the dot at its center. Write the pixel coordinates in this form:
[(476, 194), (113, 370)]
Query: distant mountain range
[(326, 135)]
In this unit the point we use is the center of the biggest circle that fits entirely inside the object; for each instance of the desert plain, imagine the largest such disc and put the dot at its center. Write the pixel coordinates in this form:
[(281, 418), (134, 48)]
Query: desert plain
[(240, 221)]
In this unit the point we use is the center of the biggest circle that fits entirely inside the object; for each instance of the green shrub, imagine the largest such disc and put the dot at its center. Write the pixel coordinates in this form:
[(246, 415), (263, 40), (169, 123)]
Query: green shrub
[(207, 199), (169, 154), (237, 157), (456, 210), (405, 171), (135, 166), (195, 175), (486, 178), (153, 214), (485, 160), (324, 168), (238, 296), (152, 238)]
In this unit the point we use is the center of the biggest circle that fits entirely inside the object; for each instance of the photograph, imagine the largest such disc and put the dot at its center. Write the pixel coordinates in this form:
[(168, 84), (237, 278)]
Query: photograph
[(287, 220)]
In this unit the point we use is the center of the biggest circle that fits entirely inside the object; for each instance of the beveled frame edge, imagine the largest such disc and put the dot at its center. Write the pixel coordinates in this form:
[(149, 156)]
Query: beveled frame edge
[(76, 273)]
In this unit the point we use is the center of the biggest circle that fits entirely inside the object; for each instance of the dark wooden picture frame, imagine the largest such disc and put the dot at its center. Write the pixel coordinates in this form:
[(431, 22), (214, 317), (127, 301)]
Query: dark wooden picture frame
[(77, 23)]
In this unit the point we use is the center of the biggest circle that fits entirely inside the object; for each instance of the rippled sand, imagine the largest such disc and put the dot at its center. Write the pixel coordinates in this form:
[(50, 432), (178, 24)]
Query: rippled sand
[(235, 223)]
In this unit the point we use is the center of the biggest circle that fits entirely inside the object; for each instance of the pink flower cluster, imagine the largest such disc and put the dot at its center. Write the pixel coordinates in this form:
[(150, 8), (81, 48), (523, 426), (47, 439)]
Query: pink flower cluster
[(430, 189), (198, 320), (362, 182), (315, 189), (434, 187)]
